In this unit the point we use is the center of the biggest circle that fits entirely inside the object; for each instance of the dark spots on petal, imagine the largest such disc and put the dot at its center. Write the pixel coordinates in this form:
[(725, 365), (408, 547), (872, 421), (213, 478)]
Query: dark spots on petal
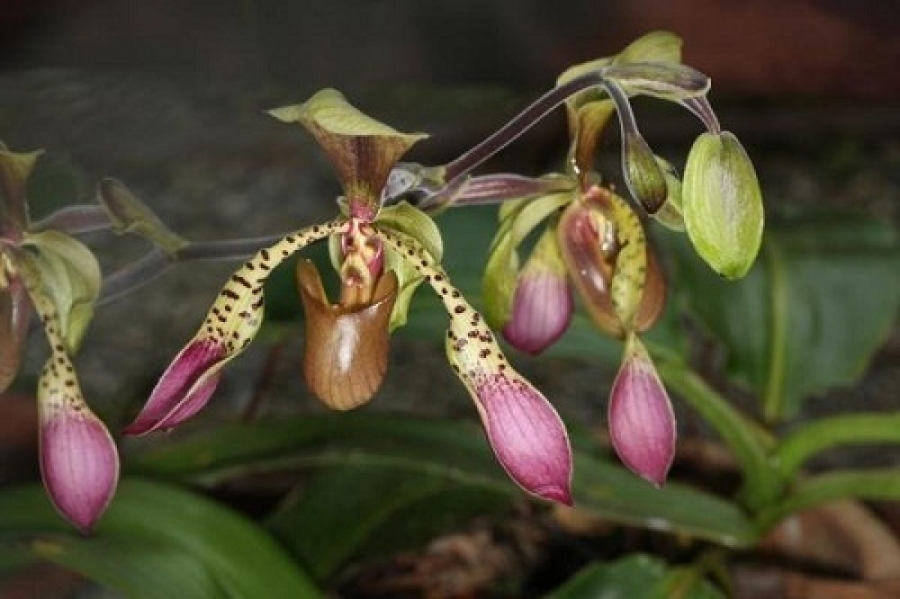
[(459, 309), (484, 353), (473, 334), (266, 255), (455, 294), (230, 294), (241, 281)]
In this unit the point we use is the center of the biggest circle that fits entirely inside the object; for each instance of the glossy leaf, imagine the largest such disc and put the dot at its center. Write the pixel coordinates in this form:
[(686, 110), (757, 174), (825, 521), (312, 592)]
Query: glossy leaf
[(157, 542), (453, 451), (359, 509), (873, 484), (806, 318), (637, 576)]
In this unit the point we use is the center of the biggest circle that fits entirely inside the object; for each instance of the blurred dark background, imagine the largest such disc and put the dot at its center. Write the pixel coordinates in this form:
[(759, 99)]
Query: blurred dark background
[(836, 48), (168, 95)]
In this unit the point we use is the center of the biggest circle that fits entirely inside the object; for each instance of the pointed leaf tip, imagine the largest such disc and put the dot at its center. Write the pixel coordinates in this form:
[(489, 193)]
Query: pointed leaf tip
[(183, 389)]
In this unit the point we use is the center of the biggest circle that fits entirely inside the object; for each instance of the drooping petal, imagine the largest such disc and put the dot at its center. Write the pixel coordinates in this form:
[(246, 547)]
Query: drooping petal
[(346, 347), (230, 325), (527, 435), (641, 420), (543, 303), (183, 389), (79, 461)]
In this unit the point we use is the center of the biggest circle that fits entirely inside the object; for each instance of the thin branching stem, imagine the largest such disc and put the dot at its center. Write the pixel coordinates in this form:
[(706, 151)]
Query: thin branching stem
[(519, 124), (156, 261)]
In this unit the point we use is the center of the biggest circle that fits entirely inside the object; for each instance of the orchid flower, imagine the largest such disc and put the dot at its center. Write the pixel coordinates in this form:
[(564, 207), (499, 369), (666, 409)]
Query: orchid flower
[(381, 255), (56, 276), (594, 242)]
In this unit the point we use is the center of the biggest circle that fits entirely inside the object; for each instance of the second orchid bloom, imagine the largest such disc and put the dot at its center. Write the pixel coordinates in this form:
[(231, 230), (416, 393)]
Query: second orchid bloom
[(381, 254)]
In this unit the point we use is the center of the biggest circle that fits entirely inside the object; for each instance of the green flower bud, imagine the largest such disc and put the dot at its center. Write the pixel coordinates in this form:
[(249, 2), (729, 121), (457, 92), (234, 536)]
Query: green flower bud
[(722, 204)]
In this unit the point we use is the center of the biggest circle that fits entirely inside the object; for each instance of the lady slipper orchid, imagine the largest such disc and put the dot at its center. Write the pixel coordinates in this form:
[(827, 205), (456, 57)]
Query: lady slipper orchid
[(58, 277), (381, 255)]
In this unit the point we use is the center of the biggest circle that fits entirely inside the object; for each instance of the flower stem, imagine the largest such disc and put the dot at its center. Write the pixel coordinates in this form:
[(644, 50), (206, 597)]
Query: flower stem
[(157, 261), (519, 124)]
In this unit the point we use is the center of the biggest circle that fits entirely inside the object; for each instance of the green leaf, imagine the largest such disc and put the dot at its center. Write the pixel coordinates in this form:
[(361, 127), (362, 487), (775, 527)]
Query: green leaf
[(834, 431), (363, 509), (455, 452), (637, 576), (606, 490), (156, 542), (806, 319), (875, 484)]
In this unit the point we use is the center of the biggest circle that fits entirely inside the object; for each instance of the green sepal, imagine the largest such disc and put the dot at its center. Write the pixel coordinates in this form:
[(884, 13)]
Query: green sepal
[(362, 149), (67, 274), (656, 46), (127, 214), (722, 204)]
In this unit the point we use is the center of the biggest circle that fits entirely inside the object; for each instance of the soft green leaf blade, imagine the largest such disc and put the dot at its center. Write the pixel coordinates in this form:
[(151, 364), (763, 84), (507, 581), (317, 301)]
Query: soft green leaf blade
[(357, 509), (872, 484), (156, 542), (606, 490), (453, 451), (806, 318), (633, 577)]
